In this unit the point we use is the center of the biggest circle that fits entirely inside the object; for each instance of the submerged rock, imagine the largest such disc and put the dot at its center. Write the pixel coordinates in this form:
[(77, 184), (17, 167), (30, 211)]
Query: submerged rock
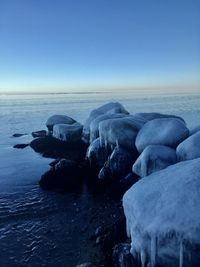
[(68, 133), (166, 131), (189, 148), (66, 175), (108, 108), (162, 215), (54, 148), (154, 158), (58, 119)]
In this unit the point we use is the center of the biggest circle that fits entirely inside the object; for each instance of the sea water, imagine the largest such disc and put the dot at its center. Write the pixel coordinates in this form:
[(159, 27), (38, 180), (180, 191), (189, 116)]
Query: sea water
[(39, 228)]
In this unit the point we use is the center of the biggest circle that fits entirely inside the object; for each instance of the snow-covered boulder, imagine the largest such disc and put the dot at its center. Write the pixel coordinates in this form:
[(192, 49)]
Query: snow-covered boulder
[(122, 131), (189, 148), (109, 108), (163, 218), (118, 164), (154, 158), (165, 131), (94, 125), (58, 119), (68, 132), (97, 153)]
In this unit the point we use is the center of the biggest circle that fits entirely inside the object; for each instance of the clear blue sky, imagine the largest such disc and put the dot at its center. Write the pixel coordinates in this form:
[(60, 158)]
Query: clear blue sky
[(80, 44)]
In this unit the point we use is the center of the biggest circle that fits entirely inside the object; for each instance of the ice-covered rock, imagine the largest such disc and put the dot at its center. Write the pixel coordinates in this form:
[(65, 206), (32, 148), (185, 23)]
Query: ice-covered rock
[(154, 158), (109, 108), (58, 119), (189, 148), (166, 131), (68, 132), (148, 116), (122, 131), (163, 218), (97, 153), (94, 126), (195, 130), (118, 164)]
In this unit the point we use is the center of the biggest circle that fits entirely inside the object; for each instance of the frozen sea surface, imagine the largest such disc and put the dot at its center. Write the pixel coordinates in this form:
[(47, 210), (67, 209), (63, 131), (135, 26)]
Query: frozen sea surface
[(39, 228)]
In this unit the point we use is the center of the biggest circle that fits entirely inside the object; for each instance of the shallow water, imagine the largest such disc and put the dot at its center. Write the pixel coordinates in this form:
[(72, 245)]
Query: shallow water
[(39, 228)]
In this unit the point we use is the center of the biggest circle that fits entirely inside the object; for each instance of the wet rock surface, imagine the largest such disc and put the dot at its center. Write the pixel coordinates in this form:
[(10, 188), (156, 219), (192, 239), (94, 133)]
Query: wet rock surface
[(18, 135), (20, 146), (122, 256), (53, 148), (65, 175), (41, 133)]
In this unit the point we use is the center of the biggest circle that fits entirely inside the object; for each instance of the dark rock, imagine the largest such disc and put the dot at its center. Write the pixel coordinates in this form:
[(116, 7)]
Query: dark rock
[(122, 256), (21, 146), (66, 175), (118, 188), (110, 236), (113, 235), (53, 148), (97, 154), (41, 133), (86, 264), (54, 162), (118, 165), (18, 135)]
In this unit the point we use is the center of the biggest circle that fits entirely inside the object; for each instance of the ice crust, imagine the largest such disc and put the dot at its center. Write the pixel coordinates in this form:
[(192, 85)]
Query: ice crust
[(94, 126), (68, 133), (148, 116), (121, 131), (164, 131), (108, 108), (58, 119), (154, 158), (189, 148), (97, 153), (163, 216)]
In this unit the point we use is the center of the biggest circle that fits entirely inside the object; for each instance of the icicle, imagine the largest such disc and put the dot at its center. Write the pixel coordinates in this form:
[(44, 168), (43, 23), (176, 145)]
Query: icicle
[(153, 251), (181, 254), (143, 258), (101, 141), (106, 144), (117, 143)]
